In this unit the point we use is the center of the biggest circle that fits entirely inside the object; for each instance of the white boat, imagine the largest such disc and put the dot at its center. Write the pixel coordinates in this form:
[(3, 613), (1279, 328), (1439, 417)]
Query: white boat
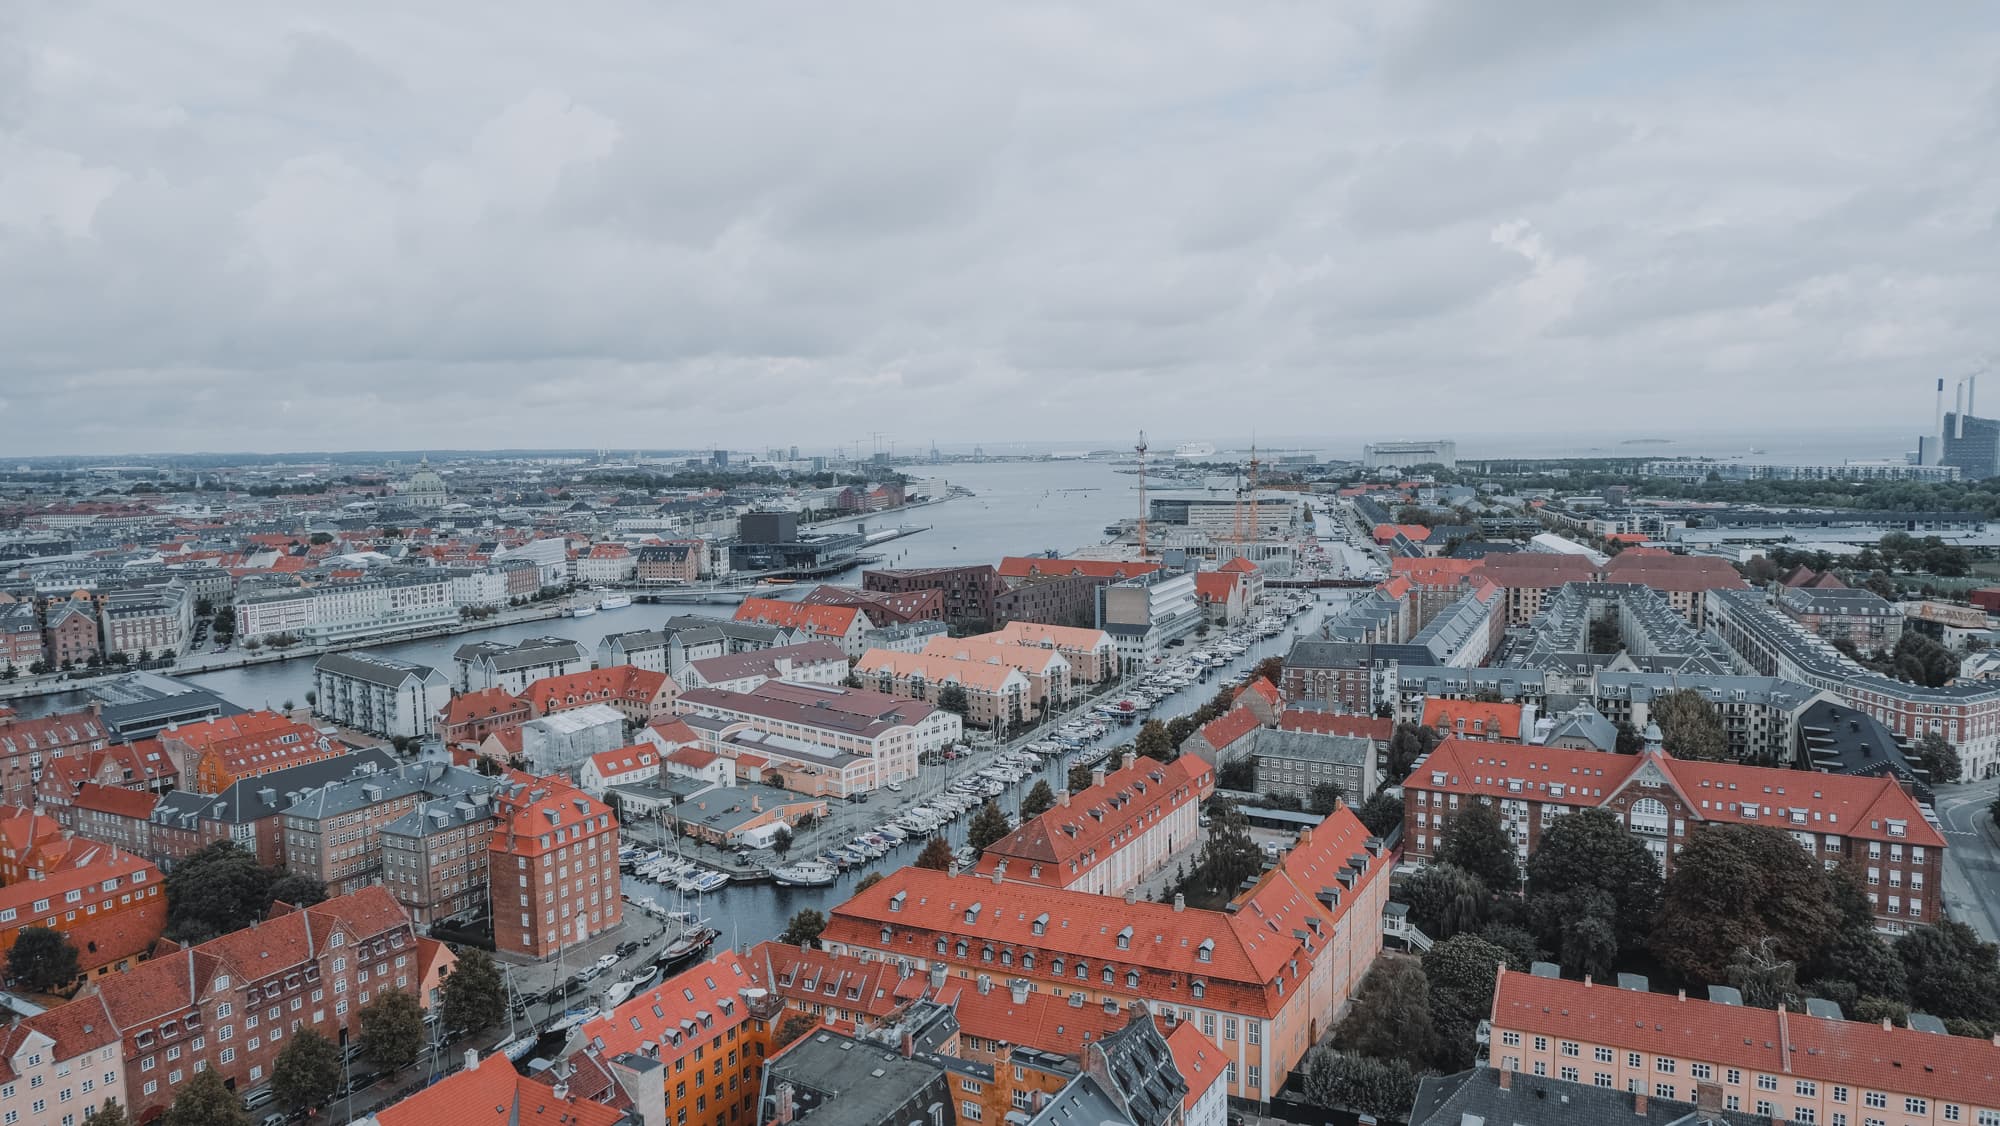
[(619, 991), (1194, 450), (614, 602), (805, 874), (574, 1017), (583, 611), (709, 881)]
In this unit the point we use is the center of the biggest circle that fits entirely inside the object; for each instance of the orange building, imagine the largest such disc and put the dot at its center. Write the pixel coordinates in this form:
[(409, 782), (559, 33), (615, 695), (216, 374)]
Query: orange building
[(217, 753), (1110, 835), (708, 1028), (1474, 719), (108, 902), (553, 867), (640, 695), (1263, 980)]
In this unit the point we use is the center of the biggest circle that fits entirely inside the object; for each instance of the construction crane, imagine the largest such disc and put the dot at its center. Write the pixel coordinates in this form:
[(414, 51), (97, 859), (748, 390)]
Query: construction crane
[(1140, 449)]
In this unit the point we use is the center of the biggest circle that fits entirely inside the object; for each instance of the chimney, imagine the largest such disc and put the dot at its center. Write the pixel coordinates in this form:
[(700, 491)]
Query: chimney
[(1019, 988), (985, 985), (1708, 1102), (1639, 1103), (1586, 981), (471, 1058), (1062, 796), (784, 1108), (562, 1091), (1506, 1078), (909, 1044), (1131, 897), (1097, 776), (1180, 902), (1959, 402), (1971, 387)]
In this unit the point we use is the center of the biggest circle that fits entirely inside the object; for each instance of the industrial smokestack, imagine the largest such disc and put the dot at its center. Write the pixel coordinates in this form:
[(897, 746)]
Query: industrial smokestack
[(1958, 400), (1971, 386)]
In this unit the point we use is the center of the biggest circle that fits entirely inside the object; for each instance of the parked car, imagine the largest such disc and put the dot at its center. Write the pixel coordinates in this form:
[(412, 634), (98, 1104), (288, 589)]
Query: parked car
[(606, 962)]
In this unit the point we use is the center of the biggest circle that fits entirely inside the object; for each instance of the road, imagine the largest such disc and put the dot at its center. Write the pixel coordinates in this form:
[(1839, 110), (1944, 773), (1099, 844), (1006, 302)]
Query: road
[(1971, 856)]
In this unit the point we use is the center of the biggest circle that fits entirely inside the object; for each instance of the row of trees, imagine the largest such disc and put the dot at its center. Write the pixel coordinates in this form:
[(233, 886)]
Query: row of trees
[(1745, 906), (222, 888)]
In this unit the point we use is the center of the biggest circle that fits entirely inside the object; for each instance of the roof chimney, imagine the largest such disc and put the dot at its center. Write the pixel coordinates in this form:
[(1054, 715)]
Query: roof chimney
[(471, 1058), (1062, 796), (1639, 1103), (1097, 776), (1180, 902), (1131, 896), (1506, 1078)]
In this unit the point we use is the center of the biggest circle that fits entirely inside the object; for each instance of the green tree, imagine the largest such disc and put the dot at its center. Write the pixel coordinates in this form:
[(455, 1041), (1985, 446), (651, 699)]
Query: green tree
[(1863, 964), (1238, 774), (795, 1025), (1445, 900), (1408, 743), (1324, 798), (1382, 813), (392, 1029), (215, 891), (1765, 980), (1080, 778), (781, 841), (307, 1073), (1270, 668), (1461, 972), (297, 889), (1630, 742), (1950, 972), (111, 1113), (1580, 926), (1384, 1088), (1590, 849), (1153, 742), (951, 698), (1477, 842), (1732, 886), (1938, 757), (474, 997), (936, 855), (205, 1101), (1228, 857), (804, 929), (987, 826), (1391, 1014), (1519, 943), (1040, 800), (1690, 727), (873, 878), (42, 959)]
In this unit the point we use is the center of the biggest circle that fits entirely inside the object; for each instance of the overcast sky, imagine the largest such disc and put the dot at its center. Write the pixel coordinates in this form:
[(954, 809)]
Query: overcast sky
[(392, 225)]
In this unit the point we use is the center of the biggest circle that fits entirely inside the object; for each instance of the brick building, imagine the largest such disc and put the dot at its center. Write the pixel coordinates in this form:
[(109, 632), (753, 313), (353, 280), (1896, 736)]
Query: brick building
[(28, 745), (470, 717), (554, 867), (333, 832), (671, 563), (20, 636), (217, 753), (437, 858), (70, 633), (967, 593), (640, 695), (108, 902), (882, 608), (1870, 823), (229, 1004)]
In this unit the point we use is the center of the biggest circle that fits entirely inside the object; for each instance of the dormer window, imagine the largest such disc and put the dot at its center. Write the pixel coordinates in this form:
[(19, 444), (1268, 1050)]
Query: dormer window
[(1041, 924), (1206, 951), (1125, 939), (1199, 989)]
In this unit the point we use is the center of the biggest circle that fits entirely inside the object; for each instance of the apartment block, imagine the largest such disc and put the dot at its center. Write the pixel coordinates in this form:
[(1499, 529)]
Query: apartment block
[(1109, 836), (379, 695), (554, 867)]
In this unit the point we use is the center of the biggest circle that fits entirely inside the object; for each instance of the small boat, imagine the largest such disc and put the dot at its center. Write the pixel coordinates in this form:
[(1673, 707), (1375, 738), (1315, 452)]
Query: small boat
[(583, 611), (618, 993), (574, 1017), (613, 602), (710, 881), (805, 874), (688, 948)]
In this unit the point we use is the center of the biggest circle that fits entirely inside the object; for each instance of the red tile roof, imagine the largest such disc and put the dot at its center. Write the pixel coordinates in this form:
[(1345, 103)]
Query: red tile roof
[(1897, 1061), (820, 621), (1333, 723), (1199, 1061), (626, 760), (628, 684), (1099, 819), (826, 978), (1262, 686), (484, 703), (705, 990), (1681, 573), (1228, 727), (1469, 717), (1215, 586), (1041, 1020), (494, 1094), (116, 800), (1240, 566)]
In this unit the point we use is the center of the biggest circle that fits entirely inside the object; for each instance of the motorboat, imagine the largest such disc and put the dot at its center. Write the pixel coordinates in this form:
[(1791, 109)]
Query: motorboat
[(805, 874), (614, 602)]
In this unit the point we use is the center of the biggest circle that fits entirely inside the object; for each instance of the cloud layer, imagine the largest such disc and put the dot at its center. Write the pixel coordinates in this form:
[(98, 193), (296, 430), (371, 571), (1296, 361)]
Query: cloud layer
[(670, 225)]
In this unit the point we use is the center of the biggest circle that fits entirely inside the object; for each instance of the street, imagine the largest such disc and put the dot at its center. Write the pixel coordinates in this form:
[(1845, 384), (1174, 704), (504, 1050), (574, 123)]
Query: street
[(1971, 856)]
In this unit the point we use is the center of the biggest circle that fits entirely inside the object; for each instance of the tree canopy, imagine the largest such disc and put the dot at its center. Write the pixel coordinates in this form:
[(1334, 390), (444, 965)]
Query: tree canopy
[(1445, 900), (1461, 973), (1938, 757), (474, 997), (987, 826), (1040, 800), (205, 1101), (1477, 842), (1228, 857), (1390, 1017), (392, 1029), (1690, 727), (41, 959), (1153, 741), (307, 1073), (936, 855), (1381, 813), (804, 928), (1590, 850), (297, 889), (219, 889), (1733, 886)]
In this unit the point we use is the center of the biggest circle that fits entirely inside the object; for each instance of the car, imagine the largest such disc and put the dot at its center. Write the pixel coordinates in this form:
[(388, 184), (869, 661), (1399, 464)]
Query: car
[(606, 962), (361, 1080), (276, 1118), (627, 949)]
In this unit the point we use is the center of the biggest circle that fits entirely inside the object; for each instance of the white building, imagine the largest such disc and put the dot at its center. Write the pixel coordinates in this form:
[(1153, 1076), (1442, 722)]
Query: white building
[(396, 601), (478, 587), (559, 743), (621, 766), (549, 555), (491, 664), (379, 695), (52, 1082), (1144, 614), (811, 662), (607, 563), (153, 619)]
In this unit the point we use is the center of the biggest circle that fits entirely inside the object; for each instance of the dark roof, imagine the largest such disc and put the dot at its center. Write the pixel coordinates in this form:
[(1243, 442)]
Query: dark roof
[(1449, 1100), (265, 795), (840, 1081), (1142, 1072)]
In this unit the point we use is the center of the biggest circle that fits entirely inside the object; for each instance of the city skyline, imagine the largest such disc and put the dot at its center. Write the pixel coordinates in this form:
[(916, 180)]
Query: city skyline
[(225, 230)]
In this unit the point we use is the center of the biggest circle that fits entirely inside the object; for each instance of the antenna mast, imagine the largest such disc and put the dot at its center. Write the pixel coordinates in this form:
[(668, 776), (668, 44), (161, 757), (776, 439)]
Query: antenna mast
[(1140, 449), (1246, 531)]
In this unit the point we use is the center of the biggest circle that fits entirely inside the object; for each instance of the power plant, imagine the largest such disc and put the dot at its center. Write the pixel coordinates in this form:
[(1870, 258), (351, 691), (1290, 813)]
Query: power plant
[(1961, 438)]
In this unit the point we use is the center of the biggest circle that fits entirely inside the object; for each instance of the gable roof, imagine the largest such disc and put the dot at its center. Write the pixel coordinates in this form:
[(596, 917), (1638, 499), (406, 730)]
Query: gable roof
[(1228, 727), (818, 620), (1087, 829), (494, 1094), (1467, 716)]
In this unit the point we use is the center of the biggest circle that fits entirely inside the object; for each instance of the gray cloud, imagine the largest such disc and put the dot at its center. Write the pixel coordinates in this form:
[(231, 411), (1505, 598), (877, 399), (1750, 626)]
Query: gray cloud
[(632, 224)]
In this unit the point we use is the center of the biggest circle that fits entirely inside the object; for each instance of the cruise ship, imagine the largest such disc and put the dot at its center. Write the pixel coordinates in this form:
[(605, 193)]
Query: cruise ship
[(1194, 451)]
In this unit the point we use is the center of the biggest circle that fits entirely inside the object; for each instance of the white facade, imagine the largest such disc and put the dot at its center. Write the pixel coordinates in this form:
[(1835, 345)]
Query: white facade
[(379, 695), (1143, 615), (607, 563), (55, 1084), (550, 557), (481, 587), (624, 766), (346, 611), (560, 743)]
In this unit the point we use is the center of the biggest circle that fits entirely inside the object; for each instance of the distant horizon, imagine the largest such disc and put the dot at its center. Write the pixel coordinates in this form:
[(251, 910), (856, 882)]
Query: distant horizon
[(1797, 444)]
